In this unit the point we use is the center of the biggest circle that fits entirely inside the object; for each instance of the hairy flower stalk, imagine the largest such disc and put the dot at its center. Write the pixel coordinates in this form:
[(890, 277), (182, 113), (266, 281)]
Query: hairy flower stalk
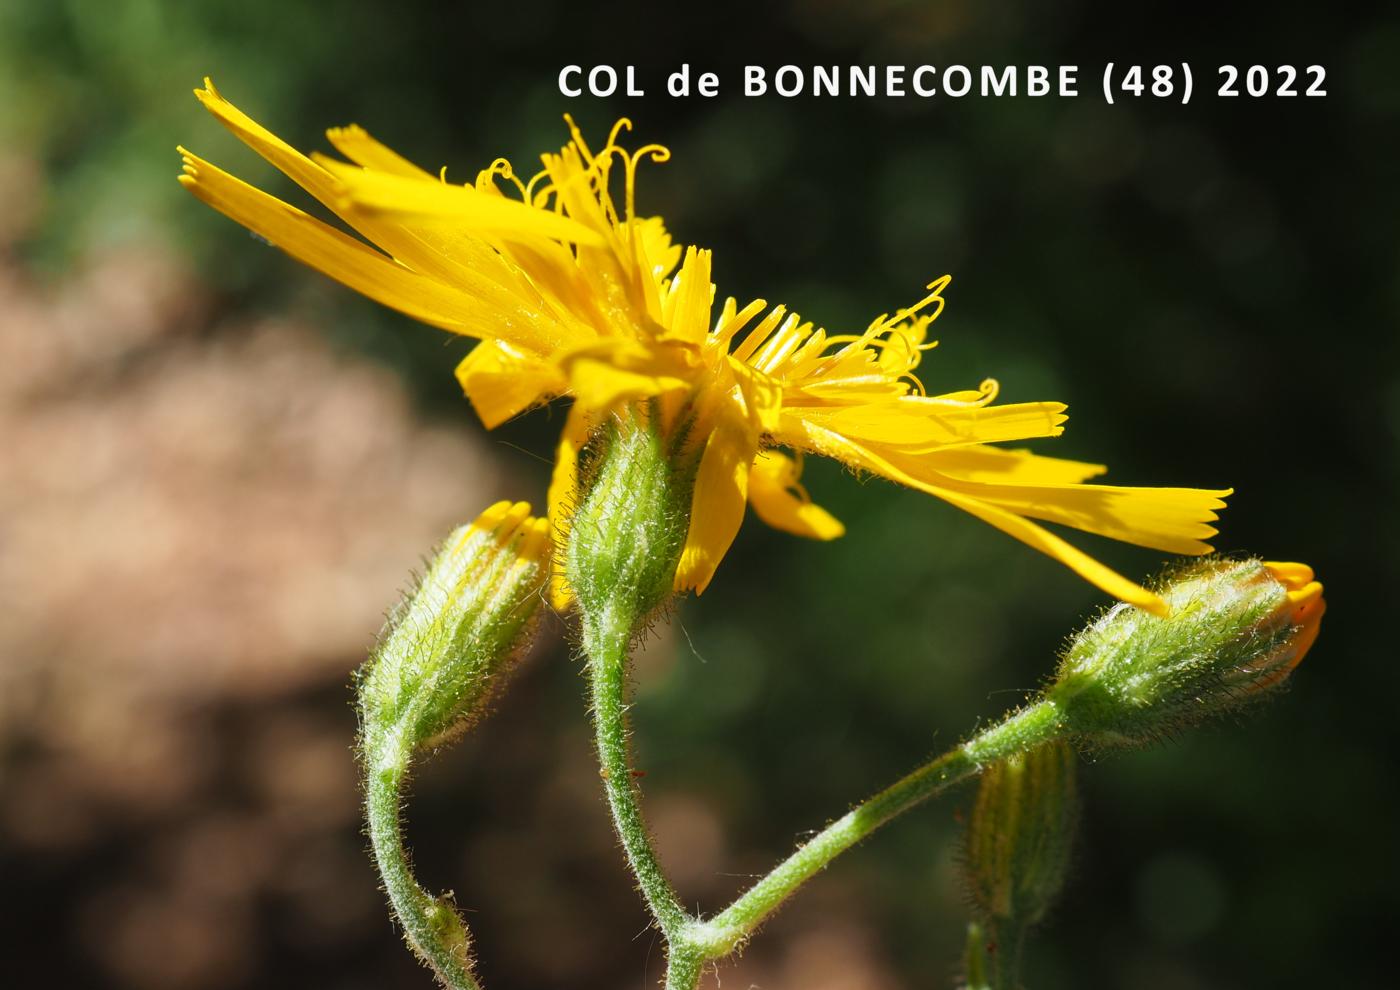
[(625, 539), (444, 655)]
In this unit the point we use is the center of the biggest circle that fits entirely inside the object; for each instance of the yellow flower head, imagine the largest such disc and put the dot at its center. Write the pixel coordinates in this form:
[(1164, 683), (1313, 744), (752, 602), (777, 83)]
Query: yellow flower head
[(571, 296)]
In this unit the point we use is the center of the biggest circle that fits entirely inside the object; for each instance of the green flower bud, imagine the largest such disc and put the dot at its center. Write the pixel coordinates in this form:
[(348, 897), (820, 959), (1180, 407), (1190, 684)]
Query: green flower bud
[(446, 647), (627, 533), (1235, 632), (1020, 835)]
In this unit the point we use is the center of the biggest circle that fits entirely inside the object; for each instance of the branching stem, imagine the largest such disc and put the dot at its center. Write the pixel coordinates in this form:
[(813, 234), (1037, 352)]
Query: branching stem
[(1023, 730), (692, 942)]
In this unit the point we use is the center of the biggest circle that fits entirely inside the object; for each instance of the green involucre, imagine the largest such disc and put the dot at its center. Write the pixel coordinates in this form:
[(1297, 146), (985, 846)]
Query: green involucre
[(1130, 677), (627, 533), (444, 649)]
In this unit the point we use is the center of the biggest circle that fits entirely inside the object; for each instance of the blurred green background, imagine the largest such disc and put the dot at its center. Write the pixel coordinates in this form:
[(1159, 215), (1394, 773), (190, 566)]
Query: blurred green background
[(219, 467)]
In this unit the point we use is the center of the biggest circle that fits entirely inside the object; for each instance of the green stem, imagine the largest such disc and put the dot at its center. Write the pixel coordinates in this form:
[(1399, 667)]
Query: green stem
[(684, 966), (606, 637), (1006, 960), (975, 959), (1029, 727), (432, 926)]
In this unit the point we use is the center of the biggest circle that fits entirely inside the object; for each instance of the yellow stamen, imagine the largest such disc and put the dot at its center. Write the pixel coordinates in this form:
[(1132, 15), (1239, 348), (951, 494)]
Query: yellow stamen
[(657, 154)]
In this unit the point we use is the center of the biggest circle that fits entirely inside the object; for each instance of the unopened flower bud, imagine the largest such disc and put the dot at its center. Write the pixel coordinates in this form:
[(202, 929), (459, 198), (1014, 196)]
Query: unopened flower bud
[(1237, 629), (626, 535), (1020, 835), (446, 648)]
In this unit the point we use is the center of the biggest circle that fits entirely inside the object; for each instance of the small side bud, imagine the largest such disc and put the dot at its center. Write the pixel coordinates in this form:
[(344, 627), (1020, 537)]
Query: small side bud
[(1020, 836), (1237, 629), (626, 536), (446, 648)]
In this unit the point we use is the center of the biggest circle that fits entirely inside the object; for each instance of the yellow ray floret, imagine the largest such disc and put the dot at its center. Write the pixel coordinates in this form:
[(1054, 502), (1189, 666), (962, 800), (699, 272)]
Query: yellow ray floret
[(570, 293)]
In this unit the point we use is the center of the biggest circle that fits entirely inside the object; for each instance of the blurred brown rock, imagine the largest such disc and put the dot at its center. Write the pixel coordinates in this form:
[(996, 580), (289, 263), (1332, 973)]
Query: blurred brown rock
[(194, 516)]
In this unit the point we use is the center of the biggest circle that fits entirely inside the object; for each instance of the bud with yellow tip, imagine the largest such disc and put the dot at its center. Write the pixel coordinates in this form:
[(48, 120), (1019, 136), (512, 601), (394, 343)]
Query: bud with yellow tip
[(1235, 632), (448, 644)]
